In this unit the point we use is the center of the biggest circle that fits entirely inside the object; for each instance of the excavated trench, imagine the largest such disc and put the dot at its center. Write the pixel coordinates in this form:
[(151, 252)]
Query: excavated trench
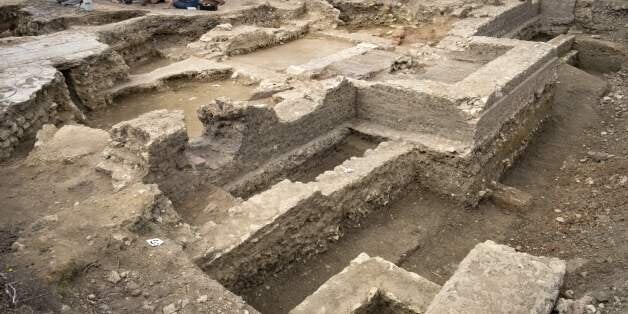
[(421, 231), (296, 52), (352, 146), (407, 35), (177, 95)]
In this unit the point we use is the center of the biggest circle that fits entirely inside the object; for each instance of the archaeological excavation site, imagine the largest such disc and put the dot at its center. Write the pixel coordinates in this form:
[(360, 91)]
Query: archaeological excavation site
[(314, 156)]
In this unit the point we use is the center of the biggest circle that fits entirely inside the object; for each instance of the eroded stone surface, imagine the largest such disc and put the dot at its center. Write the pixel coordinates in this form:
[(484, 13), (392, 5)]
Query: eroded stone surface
[(364, 281), (496, 278)]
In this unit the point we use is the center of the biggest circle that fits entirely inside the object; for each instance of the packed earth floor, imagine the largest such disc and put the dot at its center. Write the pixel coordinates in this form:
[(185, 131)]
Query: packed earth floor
[(326, 156)]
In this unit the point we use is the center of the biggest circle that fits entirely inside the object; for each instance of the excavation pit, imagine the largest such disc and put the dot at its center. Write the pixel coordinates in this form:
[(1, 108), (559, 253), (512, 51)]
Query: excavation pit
[(297, 52), (270, 143), (353, 145), (150, 65), (407, 35), (176, 95)]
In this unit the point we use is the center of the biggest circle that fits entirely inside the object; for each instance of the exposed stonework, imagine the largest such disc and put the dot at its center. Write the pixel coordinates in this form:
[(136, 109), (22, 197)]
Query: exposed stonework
[(366, 281), (30, 97), (149, 149), (451, 110), (351, 191), (493, 276), (227, 40)]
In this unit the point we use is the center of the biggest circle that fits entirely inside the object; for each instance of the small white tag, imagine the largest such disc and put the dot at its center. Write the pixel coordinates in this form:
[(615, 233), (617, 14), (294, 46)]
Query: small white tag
[(155, 242)]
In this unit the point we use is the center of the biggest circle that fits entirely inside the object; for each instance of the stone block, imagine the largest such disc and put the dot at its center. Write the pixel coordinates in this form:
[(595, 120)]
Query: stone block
[(157, 136), (366, 282), (558, 12), (495, 278)]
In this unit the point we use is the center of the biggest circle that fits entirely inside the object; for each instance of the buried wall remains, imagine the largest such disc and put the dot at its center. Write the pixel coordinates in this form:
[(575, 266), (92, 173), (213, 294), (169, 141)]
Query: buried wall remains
[(453, 136)]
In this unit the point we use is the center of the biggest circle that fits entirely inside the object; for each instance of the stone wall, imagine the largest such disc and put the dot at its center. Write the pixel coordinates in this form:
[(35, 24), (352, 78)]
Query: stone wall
[(148, 149), (514, 15), (414, 107), (255, 133), (29, 102), (292, 221), (366, 283)]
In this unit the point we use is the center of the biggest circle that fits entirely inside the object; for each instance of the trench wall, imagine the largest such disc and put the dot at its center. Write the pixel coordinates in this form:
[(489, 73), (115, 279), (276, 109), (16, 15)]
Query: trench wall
[(516, 15), (22, 114), (292, 221)]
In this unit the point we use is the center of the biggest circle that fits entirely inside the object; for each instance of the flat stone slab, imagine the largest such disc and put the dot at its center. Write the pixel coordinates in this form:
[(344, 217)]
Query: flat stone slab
[(191, 66), (369, 282), (316, 66), (69, 143), (496, 279), (19, 84), (59, 49)]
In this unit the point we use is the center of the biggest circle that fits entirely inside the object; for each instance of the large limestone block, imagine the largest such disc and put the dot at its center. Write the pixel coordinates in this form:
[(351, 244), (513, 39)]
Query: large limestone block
[(367, 285), (496, 279)]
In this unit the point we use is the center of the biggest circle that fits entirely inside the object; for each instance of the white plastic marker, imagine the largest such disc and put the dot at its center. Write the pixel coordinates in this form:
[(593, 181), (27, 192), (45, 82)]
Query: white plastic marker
[(155, 242)]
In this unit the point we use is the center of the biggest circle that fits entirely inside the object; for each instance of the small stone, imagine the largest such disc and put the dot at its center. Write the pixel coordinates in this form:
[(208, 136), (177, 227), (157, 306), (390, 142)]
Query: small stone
[(599, 156), (591, 309), (224, 27), (114, 277), (148, 307), (91, 297), (560, 219), (65, 308), (170, 308), (17, 246), (136, 292), (202, 299), (602, 296), (104, 308)]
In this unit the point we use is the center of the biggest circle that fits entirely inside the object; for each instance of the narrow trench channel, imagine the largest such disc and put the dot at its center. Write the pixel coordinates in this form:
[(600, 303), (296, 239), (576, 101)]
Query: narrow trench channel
[(353, 145)]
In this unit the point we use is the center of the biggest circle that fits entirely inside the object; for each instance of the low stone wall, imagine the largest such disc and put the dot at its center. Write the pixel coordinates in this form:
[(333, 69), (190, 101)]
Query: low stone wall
[(90, 80), (602, 15), (29, 102), (369, 284), (513, 15), (148, 149), (228, 40), (414, 107), (492, 116), (292, 221), (253, 134)]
